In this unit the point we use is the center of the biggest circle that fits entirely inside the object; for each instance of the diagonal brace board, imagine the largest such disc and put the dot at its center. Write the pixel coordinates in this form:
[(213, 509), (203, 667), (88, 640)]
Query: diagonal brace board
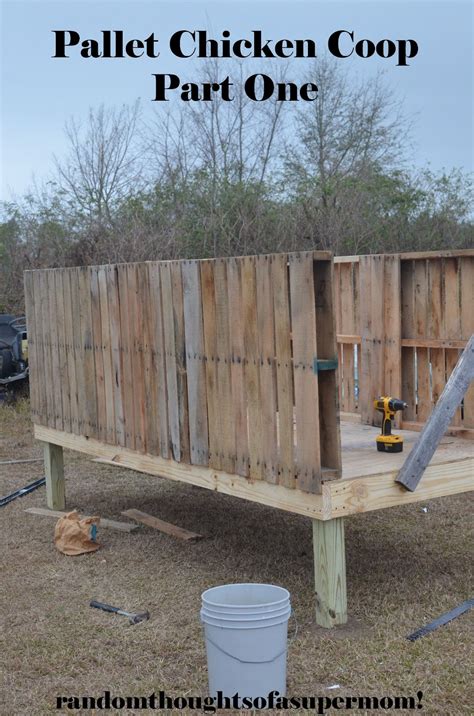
[(437, 424)]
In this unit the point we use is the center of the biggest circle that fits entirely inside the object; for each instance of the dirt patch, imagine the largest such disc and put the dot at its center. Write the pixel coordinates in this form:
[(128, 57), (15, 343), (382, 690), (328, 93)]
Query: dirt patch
[(404, 566)]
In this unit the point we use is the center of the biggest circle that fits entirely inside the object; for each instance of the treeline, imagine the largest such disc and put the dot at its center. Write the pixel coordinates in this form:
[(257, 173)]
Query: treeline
[(236, 178)]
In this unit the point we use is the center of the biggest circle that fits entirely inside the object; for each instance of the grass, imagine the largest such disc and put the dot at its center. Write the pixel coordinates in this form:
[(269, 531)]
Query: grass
[(405, 567)]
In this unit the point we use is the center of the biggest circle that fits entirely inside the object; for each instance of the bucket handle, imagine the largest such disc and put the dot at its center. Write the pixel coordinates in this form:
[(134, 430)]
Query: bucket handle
[(259, 661)]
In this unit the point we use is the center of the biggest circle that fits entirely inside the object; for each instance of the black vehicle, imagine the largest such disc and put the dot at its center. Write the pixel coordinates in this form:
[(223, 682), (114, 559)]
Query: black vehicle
[(13, 355)]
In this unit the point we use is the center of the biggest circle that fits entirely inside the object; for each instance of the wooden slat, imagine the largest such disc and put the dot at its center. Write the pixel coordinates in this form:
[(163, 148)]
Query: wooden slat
[(327, 380), (162, 526), (303, 323), (371, 371), (159, 360), (116, 348), (107, 357), (64, 380), (467, 327), (196, 369), (45, 323), (126, 349), (98, 355), (135, 315), (408, 331), (104, 522), (54, 347), (70, 351), (33, 361), (252, 372), (223, 356), (180, 349), (266, 350), (392, 376), (285, 395), (152, 441), (237, 367), (210, 345), (171, 360), (88, 354)]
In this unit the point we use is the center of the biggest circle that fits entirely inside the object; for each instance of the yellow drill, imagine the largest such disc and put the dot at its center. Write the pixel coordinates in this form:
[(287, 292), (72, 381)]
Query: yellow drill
[(386, 442)]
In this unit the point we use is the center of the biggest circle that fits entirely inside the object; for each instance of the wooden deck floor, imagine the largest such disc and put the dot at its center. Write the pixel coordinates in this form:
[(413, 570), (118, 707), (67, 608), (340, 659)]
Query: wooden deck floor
[(368, 477)]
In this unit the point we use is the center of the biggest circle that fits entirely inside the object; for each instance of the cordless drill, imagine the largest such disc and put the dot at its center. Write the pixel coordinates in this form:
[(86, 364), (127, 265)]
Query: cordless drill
[(386, 442)]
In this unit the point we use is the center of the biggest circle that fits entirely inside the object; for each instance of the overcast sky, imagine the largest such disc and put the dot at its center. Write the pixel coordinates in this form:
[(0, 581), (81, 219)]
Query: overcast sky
[(39, 93)]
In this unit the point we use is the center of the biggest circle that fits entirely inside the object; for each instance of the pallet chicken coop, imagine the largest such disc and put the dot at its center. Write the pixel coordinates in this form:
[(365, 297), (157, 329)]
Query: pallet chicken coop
[(228, 373)]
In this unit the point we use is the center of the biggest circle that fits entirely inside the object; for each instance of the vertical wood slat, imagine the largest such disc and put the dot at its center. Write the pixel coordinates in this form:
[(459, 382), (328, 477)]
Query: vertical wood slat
[(125, 346), (151, 435), (98, 354), (452, 318), (107, 356), (234, 286), (467, 327), (303, 323), (33, 361), (70, 349), (210, 345), (223, 368), (347, 327), (252, 372), (159, 359), (54, 347), (90, 391), (45, 324), (63, 377), (284, 370), (408, 354), (196, 369), (266, 352), (421, 326), (116, 349), (40, 375), (327, 380), (180, 350), (135, 317)]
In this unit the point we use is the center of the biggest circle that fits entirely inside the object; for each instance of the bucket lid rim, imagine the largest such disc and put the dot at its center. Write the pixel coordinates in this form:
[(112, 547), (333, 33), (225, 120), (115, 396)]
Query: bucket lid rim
[(245, 584)]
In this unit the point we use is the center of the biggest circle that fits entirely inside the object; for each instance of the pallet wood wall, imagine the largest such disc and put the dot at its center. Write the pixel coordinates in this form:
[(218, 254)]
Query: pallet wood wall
[(204, 362), (402, 321)]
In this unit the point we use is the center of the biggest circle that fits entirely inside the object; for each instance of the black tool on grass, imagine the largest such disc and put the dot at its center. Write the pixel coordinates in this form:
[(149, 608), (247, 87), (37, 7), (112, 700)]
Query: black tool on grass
[(22, 491), (442, 620), (134, 618)]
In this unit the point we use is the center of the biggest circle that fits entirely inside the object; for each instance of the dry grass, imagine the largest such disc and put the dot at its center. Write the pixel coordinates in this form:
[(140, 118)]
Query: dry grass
[(404, 568)]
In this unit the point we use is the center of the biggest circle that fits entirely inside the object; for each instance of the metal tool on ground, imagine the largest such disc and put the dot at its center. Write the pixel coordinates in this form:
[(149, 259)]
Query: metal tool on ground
[(134, 618), (442, 620), (22, 491), (388, 406)]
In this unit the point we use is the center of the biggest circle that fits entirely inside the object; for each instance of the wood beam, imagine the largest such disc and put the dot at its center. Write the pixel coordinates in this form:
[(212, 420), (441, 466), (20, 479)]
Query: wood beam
[(330, 572), (54, 470)]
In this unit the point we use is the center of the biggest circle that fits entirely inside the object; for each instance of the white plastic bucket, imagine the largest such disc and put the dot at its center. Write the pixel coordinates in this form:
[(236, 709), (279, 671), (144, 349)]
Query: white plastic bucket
[(246, 627)]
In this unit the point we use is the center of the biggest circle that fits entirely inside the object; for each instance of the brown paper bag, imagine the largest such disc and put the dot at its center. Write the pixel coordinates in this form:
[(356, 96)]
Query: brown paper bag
[(73, 536)]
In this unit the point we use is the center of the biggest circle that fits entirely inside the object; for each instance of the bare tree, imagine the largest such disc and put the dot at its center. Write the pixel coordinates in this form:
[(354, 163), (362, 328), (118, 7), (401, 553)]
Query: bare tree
[(353, 130), (103, 163)]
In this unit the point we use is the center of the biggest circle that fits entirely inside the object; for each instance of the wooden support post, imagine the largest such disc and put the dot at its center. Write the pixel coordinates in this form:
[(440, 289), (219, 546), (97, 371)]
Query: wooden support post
[(330, 572), (54, 470)]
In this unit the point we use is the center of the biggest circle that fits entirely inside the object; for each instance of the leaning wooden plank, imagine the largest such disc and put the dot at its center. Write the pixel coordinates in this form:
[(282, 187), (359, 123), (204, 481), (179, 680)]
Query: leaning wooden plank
[(162, 526), (303, 324), (107, 524), (435, 427)]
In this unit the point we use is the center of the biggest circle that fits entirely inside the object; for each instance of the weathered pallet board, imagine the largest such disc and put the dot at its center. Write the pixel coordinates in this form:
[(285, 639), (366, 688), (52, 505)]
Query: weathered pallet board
[(207, 363)]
